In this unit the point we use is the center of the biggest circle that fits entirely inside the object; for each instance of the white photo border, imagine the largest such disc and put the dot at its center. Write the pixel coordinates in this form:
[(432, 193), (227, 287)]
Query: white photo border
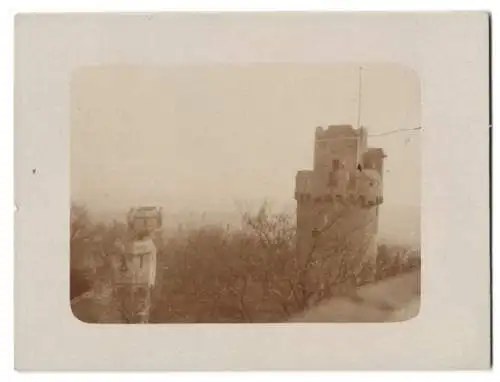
[(448, 51)]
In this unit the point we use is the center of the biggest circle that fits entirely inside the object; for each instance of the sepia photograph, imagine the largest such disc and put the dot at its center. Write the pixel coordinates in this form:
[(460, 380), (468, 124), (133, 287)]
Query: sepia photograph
[(252, 193)]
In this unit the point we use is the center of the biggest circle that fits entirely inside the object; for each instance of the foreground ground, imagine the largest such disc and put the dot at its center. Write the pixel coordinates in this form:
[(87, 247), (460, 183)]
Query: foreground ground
[(394, 299)]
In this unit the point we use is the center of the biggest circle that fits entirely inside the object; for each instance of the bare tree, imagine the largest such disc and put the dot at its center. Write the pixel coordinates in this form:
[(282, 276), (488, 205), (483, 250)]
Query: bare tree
[(254, 273), (93, 247), (80, 234), (329, 266)]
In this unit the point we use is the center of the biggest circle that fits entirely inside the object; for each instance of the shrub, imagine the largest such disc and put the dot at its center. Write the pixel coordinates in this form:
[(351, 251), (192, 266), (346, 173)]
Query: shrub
[(223, 274)]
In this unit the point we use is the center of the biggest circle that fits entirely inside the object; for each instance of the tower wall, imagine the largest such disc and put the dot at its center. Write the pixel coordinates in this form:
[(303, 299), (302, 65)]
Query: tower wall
[(330, 228), (337, 204)]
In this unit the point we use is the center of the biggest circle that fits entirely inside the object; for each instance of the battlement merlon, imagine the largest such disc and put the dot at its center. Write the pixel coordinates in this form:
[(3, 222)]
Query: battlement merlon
[(363, 188), (343, 134), (336, 132)]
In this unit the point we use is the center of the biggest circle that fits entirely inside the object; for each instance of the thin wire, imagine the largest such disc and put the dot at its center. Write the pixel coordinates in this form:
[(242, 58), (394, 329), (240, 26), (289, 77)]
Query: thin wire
[(395, 131), (360, 92), (372, 135)]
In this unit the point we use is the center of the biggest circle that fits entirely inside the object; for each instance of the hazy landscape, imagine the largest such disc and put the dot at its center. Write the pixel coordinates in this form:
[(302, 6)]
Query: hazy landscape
[(218, 147), (209, 272), (399, 224)]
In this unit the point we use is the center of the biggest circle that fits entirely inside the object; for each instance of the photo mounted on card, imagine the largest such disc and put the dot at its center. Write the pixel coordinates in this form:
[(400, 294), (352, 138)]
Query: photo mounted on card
[(251, 192)]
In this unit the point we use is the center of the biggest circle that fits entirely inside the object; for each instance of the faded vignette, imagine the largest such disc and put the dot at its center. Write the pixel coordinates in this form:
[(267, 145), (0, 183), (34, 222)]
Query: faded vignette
[(442, 301), (242, 245)]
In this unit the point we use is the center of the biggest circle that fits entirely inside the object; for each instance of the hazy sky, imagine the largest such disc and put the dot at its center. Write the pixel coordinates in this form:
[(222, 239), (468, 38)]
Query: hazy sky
[(205, 137)]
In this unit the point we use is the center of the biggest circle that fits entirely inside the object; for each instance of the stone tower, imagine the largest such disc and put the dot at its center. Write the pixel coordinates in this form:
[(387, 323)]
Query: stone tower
[(338, 200), (135, 269)]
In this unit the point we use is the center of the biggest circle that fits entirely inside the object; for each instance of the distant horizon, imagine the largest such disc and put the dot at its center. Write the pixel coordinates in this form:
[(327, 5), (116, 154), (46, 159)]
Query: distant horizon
[(399, 223)]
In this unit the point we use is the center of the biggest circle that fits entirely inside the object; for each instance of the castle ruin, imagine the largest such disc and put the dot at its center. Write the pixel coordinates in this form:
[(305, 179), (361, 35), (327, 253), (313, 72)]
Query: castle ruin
[(338, 200)]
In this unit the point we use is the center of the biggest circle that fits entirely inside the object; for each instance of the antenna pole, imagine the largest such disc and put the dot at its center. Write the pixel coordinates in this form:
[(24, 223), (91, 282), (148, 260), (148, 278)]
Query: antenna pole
[(360, 84)]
